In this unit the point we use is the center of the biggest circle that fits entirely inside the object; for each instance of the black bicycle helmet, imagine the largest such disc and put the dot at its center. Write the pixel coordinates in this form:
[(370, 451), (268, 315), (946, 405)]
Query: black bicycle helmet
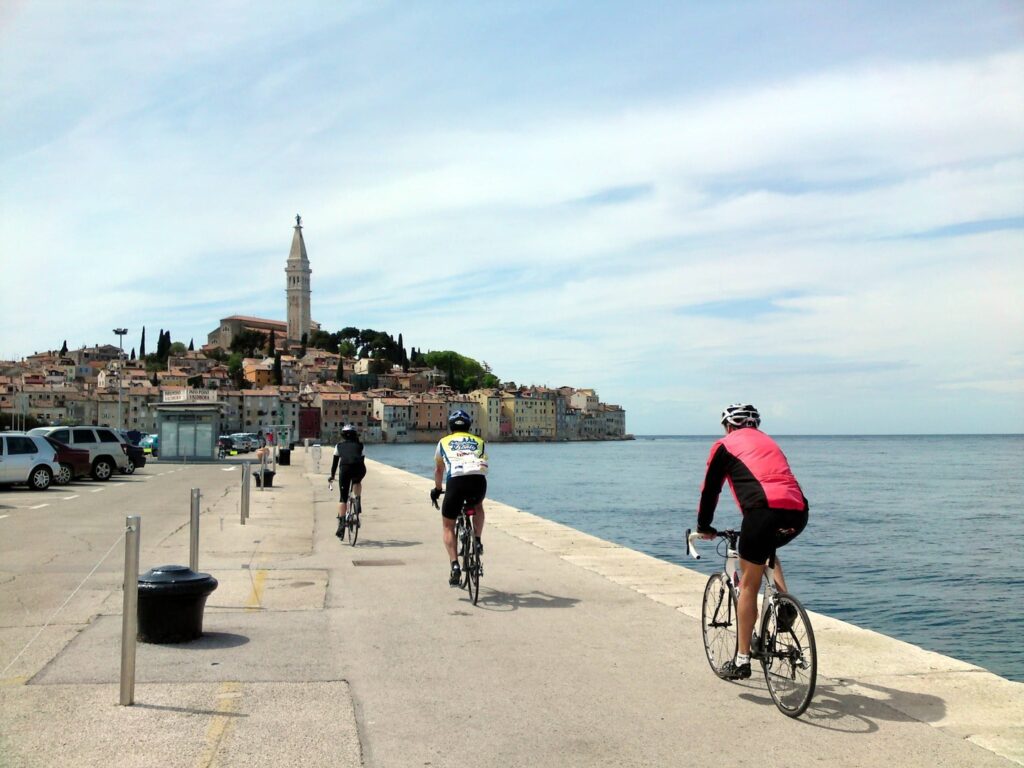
[(459, 421)]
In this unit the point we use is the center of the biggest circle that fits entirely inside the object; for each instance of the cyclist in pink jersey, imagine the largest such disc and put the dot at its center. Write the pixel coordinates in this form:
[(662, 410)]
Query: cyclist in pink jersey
[(774, 513)]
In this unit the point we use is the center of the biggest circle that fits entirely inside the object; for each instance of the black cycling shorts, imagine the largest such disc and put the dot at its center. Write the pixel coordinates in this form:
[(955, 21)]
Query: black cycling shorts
[(765, 530), (348, 474), (469, 488)]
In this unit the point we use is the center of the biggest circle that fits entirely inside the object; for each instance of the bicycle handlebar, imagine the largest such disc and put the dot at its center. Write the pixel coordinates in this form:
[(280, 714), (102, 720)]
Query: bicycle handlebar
[(690, 538)]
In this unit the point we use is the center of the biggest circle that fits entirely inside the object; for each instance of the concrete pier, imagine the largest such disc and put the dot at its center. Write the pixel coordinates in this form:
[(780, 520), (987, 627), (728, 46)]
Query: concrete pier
[(579, 653)]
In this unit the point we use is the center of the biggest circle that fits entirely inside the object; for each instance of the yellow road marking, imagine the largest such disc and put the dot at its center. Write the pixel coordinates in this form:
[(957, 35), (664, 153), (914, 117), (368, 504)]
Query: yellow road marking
[(256, 595), (220, 726)]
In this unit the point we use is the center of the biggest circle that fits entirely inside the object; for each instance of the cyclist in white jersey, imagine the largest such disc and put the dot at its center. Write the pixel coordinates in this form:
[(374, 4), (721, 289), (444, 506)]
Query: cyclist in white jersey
[(461, 458)]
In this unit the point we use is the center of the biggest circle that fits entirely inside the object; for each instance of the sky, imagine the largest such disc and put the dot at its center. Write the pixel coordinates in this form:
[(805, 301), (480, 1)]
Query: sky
[(814, 207)]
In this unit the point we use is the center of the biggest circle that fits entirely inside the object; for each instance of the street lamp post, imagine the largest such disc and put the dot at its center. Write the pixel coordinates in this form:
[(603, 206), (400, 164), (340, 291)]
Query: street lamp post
[(120, 362)]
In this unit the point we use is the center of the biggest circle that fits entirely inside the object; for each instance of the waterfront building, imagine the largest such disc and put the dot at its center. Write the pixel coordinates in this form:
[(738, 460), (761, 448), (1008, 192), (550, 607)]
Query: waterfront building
[(395, 415), (260, 409), (489, 408)]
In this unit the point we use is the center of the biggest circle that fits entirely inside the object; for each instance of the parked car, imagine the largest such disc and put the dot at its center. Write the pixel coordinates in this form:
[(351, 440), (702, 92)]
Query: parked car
[(107, 450), (136, 456), (74, 462), (243, 443), (27, 459), (150, 444)]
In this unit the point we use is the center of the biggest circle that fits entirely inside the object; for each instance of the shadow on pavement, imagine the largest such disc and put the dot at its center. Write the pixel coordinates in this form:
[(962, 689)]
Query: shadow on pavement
[(212, 641), (389, 543), (837, 708), (187, 711), (492, 599)]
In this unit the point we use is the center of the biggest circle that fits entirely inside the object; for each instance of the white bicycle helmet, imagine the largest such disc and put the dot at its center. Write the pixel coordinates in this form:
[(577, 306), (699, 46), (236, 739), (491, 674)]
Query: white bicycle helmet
[(740, 415)]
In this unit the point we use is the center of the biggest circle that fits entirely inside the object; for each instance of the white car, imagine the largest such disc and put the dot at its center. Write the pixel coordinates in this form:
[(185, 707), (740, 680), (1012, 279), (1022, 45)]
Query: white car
[(107, 450), (27, 459), (243, 443)]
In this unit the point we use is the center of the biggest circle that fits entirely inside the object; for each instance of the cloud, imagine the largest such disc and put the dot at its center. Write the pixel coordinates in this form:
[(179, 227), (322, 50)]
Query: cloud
[(846, 229)]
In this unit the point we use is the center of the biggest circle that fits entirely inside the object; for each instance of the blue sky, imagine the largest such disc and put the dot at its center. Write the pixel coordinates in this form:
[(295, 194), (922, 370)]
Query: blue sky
[(815, 207)]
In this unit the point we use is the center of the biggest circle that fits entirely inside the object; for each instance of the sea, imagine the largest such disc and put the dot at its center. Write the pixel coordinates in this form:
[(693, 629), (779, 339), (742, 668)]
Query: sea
[(918, 537)]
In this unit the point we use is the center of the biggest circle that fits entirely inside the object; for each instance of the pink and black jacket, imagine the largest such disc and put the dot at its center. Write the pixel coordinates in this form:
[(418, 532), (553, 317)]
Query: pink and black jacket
[(757, 471)]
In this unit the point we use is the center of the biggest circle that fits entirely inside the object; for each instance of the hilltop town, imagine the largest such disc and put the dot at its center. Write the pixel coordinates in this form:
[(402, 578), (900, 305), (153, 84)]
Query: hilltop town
[(96, 385), (264, 374)]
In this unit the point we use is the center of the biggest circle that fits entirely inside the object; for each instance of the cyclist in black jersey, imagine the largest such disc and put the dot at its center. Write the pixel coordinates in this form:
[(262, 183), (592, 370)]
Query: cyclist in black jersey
[(348, 454)]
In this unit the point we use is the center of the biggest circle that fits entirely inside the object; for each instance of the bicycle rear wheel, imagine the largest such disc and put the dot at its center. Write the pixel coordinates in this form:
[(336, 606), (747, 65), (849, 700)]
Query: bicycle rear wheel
[(353, 521), (718, 622), (472, 568), (789, 655)]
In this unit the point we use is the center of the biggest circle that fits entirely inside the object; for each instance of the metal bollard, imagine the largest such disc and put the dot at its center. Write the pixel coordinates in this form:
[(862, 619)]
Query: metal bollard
[(193, 532), (263, 472), (130, 616), (246, 478)]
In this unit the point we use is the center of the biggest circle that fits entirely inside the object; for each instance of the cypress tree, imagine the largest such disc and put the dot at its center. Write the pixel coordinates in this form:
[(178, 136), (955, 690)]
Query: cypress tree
[(133, 354), (341, 369), (191, 345), (64, 348), (277, 369), (142, 344), (272, 343)]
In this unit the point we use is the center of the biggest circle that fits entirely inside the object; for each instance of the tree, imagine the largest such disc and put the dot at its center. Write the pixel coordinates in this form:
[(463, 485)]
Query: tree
[(248, 341), (278, 377), (64, 348), (142, 344), (347, 349), (191, 346), (302, 343), (177, 349), (132, 358), (235, 369), (272, 344), (340, 375), (324, 340)]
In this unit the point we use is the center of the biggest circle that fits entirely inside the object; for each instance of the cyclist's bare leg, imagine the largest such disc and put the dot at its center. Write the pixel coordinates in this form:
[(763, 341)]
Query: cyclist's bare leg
[(357, 489), (449, 538), (780, 581), (746, 610), (342, 508), (478, 519)]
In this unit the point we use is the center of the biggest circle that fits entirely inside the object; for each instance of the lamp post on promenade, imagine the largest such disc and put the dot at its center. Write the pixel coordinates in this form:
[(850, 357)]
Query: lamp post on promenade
[(120, 362)]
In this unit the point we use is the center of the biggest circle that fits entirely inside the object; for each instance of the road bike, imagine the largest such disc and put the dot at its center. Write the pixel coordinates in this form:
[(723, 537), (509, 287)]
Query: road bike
[(350, 522), (783, 640), (468, 552)]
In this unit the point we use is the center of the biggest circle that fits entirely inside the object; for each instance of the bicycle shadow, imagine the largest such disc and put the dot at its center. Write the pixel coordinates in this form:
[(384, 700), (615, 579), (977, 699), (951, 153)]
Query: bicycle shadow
[(836, 707), (496, 600), (386, 543)]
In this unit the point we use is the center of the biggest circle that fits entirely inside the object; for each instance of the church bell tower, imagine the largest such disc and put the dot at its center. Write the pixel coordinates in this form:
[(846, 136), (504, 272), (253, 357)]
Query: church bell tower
[(298, 291)]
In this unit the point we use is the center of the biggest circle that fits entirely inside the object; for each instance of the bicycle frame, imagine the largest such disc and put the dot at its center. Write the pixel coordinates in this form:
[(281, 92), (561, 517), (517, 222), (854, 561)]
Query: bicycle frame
[(732, 570)]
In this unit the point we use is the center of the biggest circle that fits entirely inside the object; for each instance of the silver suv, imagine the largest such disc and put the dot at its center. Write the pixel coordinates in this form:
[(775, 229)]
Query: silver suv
[(27, 459), (107, 449)]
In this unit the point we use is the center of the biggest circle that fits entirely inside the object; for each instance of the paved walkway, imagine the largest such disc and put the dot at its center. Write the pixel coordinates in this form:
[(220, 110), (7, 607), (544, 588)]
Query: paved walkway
[(580, 653)]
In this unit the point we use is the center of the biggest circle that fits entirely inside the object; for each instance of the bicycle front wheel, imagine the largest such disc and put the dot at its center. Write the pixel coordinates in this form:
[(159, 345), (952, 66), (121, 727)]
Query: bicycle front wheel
[(789, 656), (718, 621)]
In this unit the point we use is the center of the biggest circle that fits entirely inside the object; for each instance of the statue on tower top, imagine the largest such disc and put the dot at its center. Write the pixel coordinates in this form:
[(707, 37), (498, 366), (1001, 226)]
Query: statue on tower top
[(298, 220)]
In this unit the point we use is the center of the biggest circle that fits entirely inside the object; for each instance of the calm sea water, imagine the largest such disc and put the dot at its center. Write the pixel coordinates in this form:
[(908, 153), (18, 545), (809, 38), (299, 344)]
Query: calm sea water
[(918, 537)]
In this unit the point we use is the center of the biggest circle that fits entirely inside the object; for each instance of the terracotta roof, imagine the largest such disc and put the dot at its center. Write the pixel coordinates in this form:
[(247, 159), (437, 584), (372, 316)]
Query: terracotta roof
[(250, 319)]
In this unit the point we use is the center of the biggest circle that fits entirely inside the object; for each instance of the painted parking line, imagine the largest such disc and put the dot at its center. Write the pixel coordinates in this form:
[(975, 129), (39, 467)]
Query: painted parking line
[(228, 469), (39, 506), (3, 516), (97, 490), (69, 498)]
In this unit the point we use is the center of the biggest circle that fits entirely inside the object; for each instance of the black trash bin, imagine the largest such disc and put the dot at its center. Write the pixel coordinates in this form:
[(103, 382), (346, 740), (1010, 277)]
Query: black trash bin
[(266, 477), (284, 457), (171, 603)]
